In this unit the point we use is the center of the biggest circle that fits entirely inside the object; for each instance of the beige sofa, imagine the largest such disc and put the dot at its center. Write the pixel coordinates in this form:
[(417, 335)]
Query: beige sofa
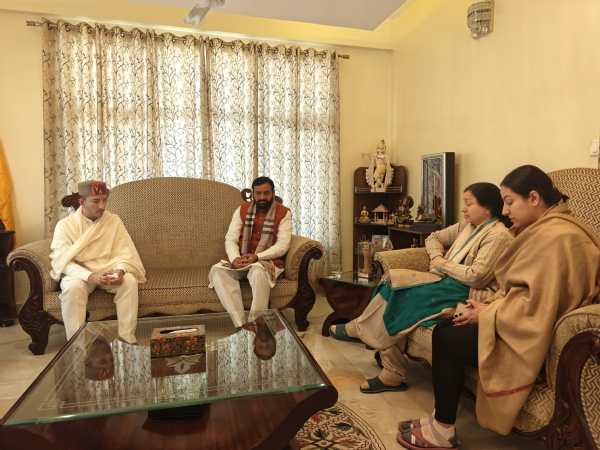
[(178, 226), (563, 410)]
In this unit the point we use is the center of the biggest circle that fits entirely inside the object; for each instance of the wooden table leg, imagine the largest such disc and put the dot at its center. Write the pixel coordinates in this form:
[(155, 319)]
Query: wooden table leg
[(348, 301)]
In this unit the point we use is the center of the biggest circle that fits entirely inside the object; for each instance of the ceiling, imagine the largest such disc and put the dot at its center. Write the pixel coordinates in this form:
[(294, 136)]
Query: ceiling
[(360, 14)]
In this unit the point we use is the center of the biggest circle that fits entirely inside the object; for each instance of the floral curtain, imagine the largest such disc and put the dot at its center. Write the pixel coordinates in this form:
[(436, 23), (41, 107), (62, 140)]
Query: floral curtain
[(299, 139), (122, 106), (232, 95)]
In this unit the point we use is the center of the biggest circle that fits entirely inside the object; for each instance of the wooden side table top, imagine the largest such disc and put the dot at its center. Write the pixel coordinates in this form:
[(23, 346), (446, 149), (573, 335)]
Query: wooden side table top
[(348, 296)]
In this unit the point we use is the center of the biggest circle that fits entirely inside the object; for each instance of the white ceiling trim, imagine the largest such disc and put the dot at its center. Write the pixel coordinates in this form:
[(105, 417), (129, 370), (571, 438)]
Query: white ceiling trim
[(182, 31), (358, 14)]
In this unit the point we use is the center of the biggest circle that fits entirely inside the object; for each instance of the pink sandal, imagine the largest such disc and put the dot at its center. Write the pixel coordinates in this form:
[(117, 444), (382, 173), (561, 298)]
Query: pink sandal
[(407, 425), (414, 440)]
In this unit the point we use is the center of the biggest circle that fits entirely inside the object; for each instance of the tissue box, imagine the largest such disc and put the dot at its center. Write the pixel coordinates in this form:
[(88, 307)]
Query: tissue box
[(177, 365), (171, 341)]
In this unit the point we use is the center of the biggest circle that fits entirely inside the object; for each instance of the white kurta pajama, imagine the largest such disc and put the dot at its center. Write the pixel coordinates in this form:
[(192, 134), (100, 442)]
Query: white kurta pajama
[(225, 281), (81, 247)]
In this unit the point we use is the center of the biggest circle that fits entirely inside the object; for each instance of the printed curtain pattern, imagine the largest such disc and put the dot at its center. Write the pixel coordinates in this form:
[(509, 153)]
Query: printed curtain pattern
[(298, 141), (232, 95), (122, 107)]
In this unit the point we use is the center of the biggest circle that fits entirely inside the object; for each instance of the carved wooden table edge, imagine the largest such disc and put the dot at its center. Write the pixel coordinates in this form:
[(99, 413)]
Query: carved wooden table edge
[(351, 290), (135, 430)]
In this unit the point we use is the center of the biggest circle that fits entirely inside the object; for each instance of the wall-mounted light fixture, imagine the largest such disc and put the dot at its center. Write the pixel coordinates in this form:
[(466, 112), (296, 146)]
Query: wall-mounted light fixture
[(480, 18)]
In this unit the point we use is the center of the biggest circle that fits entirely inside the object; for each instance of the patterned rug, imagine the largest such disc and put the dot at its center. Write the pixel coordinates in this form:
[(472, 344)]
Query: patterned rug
[(338, 428)]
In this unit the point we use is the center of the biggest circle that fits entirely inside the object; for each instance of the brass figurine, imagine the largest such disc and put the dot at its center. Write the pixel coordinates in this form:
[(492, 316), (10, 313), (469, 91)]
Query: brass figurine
[(364, 216), (422, 216)]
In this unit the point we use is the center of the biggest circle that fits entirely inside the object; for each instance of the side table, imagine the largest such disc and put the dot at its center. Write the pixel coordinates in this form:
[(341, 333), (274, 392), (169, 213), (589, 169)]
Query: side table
[(348, 296), (8, 307)]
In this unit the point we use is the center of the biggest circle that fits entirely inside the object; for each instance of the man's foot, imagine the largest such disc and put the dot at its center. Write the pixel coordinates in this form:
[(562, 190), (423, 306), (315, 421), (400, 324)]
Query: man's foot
[(431, 436), (378, 384), (339, 332)]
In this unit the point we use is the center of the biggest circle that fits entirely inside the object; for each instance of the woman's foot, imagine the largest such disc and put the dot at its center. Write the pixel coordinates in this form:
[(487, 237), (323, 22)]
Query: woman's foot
[(379, 384), (431, 436), (408, 425), (339, 332)]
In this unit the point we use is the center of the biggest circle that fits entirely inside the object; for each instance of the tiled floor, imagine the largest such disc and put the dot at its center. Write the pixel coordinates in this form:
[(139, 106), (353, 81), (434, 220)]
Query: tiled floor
[(346, 364)]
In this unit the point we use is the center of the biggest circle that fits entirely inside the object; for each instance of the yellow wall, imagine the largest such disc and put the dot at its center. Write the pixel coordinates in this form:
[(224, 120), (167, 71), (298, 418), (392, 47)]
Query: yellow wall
[(21, 127), (364, 89), (528, 93)]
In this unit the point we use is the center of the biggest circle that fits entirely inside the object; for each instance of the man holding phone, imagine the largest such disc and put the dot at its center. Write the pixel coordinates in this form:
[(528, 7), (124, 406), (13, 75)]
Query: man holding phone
[(92, 249)]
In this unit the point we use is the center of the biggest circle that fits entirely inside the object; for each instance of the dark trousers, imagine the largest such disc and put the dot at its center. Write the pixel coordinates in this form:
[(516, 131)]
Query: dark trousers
[(454, 348)]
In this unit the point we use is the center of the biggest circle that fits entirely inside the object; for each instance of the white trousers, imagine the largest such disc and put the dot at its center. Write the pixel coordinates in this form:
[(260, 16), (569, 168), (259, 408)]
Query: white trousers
[(74, 297), (227, 285)]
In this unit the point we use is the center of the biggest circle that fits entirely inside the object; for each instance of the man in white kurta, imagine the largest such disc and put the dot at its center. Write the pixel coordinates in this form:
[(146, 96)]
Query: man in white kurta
[(259, 235), (91, 249)]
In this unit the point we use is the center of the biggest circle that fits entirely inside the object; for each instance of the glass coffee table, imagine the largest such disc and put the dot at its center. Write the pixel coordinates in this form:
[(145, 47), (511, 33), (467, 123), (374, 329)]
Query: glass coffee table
[(348, 296), (257, 384)]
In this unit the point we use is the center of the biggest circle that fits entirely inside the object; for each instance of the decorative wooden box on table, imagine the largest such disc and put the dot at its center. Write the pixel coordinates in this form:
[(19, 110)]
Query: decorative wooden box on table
[(364, 197)]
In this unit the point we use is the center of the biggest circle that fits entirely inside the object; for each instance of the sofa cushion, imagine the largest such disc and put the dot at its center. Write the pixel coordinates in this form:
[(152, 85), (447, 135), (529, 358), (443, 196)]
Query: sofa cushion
[(176, 222), (419, 346), (537, 410), (173, 292)]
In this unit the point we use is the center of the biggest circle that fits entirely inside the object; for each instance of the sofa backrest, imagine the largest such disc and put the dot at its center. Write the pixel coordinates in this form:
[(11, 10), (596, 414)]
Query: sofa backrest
[(176, 222), (582, 185)]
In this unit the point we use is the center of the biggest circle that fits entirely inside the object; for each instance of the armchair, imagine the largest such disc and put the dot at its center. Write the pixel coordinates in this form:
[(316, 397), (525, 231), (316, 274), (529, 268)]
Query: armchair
[(563, 409)]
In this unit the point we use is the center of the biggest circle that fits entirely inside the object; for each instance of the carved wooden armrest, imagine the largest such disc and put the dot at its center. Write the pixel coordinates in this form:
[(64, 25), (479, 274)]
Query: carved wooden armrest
[(34, 259), (570, 325), (302, 250), (577, 405)]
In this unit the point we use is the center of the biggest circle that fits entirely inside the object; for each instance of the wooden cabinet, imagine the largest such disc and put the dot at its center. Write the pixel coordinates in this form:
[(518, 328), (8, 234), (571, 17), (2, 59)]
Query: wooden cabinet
[(403, 237), (363, 197), (8, 308)]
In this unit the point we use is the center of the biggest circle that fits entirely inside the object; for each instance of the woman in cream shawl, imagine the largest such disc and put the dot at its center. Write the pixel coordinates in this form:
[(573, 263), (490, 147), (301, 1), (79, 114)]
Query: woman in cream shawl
[(462, 267), (551, 268)]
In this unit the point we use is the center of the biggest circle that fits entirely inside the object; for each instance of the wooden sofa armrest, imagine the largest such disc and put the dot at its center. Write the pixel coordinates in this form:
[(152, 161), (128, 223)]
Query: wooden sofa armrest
[(574, 423), (34, 259), (570, 325), (302, 250), (408, 258)]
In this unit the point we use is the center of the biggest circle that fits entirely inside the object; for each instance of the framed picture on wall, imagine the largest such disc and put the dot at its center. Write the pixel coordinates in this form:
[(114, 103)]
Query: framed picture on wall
[(437, 185)]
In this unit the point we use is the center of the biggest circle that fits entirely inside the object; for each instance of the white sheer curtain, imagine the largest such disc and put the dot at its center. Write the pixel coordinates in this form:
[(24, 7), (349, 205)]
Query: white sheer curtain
[(122, 106)]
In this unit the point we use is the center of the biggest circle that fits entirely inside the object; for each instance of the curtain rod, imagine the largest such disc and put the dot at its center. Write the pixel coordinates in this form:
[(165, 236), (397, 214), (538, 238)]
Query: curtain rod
[(31, 23)]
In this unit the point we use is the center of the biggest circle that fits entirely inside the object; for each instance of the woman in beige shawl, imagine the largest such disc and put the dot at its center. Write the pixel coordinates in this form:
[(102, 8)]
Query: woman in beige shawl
[(462, 267), (551, 268)]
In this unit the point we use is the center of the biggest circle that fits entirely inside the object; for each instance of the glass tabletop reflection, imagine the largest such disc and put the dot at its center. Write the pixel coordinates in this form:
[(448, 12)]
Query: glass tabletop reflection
[(353, 278), (98, 374)]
